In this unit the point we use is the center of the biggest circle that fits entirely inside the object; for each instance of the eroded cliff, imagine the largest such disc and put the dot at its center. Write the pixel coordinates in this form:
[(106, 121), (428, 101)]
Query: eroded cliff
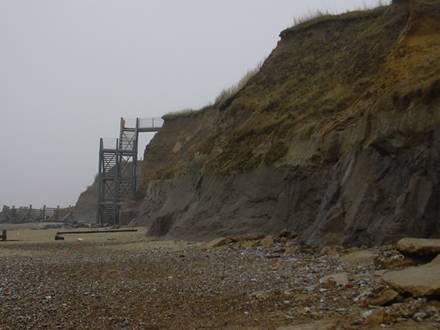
[(337, 137)]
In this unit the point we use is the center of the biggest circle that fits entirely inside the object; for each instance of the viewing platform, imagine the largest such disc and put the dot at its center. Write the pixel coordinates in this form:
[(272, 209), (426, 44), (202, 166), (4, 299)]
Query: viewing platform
[(142, 125)]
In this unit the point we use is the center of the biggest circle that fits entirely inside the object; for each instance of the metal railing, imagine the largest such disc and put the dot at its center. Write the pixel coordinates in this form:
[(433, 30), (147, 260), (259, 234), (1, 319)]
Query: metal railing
[(142, 123), (150, 122), (109, 143), (129, 122)]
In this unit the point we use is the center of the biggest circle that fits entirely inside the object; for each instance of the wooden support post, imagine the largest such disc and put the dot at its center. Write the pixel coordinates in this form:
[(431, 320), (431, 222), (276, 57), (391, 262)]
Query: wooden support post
[(59, 235)]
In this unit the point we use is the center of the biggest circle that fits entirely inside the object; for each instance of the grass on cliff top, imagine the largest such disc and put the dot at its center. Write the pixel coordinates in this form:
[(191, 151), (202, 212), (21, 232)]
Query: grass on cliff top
[(224, 95), (313, 80), (180, 113), (328, 72), (233, 90), (319, 16), (299, 23)]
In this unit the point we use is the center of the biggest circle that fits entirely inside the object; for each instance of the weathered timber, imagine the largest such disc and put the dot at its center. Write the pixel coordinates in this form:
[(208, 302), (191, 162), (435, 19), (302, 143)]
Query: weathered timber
[(59, 237), (97, 231)]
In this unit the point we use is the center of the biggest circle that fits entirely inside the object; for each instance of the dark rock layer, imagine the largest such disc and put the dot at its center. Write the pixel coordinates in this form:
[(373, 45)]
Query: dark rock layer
[(367, 197)]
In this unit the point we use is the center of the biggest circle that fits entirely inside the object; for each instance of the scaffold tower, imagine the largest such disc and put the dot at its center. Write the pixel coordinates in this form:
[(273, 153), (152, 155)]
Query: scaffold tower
[(108, 209), (117, 176)]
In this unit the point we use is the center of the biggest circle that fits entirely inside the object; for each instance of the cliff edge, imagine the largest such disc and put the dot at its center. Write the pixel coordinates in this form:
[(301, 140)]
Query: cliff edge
[(337, 138)]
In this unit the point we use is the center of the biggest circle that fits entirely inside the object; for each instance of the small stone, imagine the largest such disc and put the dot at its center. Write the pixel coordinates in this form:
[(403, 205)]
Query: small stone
[(290, 250), (384, 298), (393, 260), (367, 314), (261, 295), (340, 279), (376, 318), (248, 244), (420, 316), (273, 256)]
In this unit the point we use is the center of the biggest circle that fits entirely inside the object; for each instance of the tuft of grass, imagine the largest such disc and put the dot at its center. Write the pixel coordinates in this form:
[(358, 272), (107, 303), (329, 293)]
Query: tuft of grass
[(185, 113), (233, 90), (221, 98), (310, 17), (319, 16), (180, 113)]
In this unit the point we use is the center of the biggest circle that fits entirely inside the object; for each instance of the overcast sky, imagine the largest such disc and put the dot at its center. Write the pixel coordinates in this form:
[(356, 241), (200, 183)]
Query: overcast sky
[(69, 69)]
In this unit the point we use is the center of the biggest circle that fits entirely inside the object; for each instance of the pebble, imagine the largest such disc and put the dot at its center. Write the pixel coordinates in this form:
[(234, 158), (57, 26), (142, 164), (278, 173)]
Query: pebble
[(158, 288)]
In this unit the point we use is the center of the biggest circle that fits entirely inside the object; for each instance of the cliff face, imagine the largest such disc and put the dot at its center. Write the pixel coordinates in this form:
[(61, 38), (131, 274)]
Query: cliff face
[(86, 206), (337, 138)]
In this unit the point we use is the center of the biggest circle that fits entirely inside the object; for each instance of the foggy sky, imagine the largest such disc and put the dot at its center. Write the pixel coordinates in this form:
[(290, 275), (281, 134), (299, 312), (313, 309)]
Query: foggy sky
[(69, 69)]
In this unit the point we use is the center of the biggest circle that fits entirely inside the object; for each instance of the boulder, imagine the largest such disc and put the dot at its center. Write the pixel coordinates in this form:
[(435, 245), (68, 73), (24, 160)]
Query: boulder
[(418, 281), (377, 317), (290, 249), (384, 298), (361, 258), (411, 325), (419, 247), (215, 243), (248, 244), (267, 242), (247, 237)]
